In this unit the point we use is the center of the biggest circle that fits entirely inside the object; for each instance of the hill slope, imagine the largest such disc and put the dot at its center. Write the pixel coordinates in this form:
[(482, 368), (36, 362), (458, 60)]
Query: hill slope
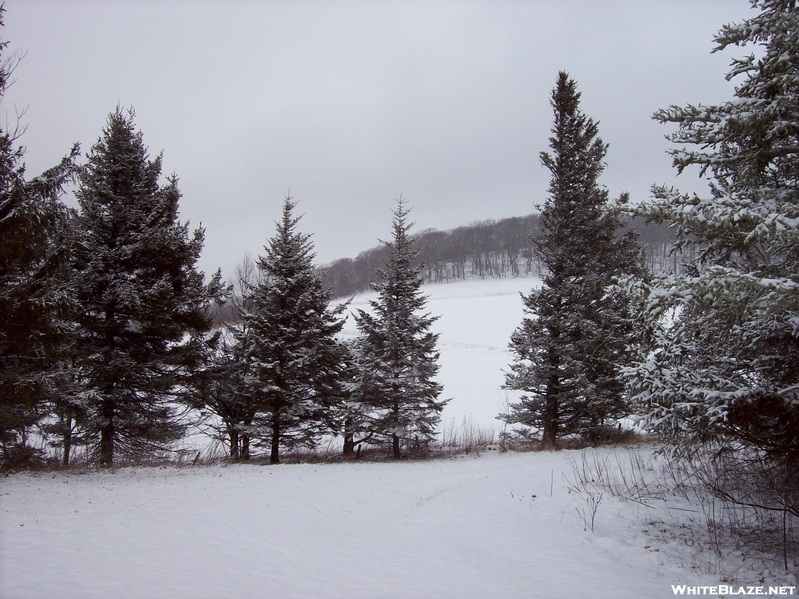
[(482, 250)]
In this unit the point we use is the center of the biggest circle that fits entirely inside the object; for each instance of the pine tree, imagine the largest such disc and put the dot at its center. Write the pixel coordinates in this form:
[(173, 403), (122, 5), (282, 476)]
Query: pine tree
[(294, 357), (229, 390), (34, 226), (397, 357), (226, 393), (142, 307), (726, 366), (574, 339)]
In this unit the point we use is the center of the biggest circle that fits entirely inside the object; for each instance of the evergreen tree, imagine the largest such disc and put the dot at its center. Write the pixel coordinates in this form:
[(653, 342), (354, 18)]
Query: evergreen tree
[(570, 346), (396, 354), (34, 226), (142, 307), (229, 389), (293, 356), (353, 412), (227, 394), (726, 367)]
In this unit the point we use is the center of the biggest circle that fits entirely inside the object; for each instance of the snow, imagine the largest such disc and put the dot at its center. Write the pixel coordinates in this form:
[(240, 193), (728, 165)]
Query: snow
[(476, 320), (498, 525)]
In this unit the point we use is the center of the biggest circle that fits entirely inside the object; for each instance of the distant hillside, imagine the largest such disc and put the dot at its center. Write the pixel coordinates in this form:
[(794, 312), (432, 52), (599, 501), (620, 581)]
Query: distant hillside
[(485, 249)]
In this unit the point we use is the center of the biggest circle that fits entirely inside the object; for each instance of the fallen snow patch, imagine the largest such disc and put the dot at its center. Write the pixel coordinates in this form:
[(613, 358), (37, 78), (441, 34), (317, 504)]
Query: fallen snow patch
[(499, 525)]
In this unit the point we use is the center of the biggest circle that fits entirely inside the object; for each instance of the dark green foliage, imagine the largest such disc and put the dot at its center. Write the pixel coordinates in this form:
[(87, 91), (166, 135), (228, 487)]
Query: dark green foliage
[(142, 307), (226, 392), (226, 385), (726, 369), (570, 347), (293, 360), (33, 233), (722, 384), (396, 355)]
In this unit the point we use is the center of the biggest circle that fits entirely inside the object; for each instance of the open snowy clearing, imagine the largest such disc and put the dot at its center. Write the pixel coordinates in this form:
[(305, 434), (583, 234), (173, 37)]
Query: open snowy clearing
[(498, 525), (477, 318)]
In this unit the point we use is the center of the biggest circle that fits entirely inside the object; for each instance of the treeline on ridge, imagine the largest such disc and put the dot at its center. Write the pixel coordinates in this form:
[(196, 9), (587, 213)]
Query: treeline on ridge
[(488, 249)]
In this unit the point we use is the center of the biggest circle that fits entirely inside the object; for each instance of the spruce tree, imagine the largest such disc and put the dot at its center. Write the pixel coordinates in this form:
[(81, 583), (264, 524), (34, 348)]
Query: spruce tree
[(292, 352), (725, 369), (229, 390), (226, 392), (34, 228), (571, 344), (142, 306), (396, 353)]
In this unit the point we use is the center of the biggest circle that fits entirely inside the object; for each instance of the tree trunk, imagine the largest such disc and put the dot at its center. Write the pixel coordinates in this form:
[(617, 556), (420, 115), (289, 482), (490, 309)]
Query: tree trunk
[(233, 435), (349, 439), (107, 434), (274, 456), (549, 439), (349, 445), (67, 441), (244, 455), (244, 452), (395, 442)]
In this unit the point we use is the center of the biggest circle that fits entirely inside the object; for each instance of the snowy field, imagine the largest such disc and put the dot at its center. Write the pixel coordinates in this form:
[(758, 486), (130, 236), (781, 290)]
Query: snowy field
[(476, 320), (498, 525)]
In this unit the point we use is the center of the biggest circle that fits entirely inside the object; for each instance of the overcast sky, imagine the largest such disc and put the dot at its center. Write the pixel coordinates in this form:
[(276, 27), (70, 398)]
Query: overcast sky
[(350, 104)]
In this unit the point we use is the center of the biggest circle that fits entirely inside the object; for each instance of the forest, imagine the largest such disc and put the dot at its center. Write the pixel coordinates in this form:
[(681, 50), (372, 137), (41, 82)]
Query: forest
[(487, 250)]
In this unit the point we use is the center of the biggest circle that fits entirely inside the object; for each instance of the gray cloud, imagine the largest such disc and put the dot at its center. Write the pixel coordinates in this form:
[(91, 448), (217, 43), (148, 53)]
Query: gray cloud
[(351, 104)]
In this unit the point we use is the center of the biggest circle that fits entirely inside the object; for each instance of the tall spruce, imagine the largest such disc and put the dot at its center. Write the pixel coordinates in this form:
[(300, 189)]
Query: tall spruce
[(570, 346), (142, 306), (726, 367), (396, 354), (293, 356), (33, 238)]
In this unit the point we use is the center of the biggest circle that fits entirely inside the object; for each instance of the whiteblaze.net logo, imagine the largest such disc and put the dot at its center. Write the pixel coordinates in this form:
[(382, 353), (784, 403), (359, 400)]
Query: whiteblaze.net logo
[(725, 590)]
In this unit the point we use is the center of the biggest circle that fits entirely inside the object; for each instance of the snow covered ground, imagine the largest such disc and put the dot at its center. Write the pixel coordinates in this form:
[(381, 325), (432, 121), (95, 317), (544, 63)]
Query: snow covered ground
[(498, 525)]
